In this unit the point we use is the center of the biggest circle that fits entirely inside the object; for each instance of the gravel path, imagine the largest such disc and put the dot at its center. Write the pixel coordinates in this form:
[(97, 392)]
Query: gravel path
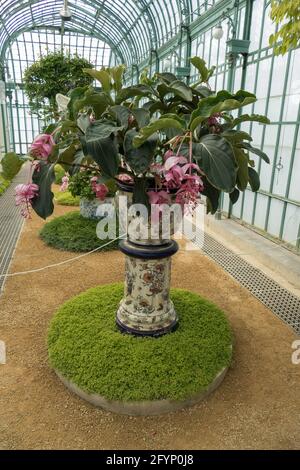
[(257, 406)]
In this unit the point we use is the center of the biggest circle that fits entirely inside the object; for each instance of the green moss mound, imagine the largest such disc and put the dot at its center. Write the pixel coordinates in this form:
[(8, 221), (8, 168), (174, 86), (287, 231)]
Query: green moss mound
[(72, 232), (65, 198), (86, 347)]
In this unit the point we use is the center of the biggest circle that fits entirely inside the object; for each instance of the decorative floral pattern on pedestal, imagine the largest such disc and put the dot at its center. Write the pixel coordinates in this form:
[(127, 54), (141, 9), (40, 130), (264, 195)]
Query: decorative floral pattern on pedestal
[(146, 304)]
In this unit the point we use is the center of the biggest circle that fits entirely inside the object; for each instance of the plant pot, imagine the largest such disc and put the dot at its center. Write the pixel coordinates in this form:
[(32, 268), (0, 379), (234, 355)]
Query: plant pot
[(146, 308), (89, 208), (162, 231)]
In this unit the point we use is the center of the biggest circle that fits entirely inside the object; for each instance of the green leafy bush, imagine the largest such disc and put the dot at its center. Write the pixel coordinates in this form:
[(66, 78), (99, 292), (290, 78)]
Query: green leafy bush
[(11, 164), (59, 174), (80, 185), (65, 198), (72, 232), (3, 184), (53, 73), (86, 347)]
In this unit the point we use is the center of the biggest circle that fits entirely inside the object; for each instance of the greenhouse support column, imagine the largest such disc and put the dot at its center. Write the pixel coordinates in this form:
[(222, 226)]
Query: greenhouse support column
[(3, 121), (155, 54), (246, 36)]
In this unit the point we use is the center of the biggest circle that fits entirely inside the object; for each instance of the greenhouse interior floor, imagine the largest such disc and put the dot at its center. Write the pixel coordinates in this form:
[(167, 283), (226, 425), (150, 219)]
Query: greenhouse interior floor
[(257, 405)]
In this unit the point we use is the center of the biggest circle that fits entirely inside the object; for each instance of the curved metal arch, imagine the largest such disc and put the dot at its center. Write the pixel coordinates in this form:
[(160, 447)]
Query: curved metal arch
[(15, 36), (112, 29), (114, 17), (135, 27)]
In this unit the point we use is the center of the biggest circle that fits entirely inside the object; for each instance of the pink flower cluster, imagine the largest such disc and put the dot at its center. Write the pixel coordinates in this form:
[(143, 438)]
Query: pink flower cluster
[(24, 194), (99, 189), (42, 146), (178, 176), (65, 183), (214, 120)]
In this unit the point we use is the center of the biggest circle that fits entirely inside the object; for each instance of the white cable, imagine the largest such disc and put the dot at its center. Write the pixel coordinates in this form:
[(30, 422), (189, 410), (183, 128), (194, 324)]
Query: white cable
[(108, 243), (62, 262)]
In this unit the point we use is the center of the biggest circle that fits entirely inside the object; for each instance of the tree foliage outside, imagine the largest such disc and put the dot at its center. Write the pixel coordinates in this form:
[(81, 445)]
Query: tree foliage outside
[(286, 15), (53, 73)]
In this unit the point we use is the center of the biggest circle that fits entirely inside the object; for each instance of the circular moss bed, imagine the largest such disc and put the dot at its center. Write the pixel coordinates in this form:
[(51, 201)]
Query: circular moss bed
[(88, 351), (72, 232)]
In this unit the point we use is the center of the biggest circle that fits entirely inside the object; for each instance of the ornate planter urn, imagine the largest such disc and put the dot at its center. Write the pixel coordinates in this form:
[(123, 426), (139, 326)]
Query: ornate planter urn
[(89, 207), (146, 308)]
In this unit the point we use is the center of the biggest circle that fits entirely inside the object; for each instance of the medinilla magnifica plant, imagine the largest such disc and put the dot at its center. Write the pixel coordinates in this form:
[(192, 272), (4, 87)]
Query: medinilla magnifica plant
[(165, 136)]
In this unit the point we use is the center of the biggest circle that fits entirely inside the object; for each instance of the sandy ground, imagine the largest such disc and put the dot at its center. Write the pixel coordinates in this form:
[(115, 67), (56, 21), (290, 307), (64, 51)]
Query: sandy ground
[(257, 406)]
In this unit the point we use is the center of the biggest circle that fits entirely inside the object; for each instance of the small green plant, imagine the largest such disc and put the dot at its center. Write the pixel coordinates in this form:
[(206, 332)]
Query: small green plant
[(59, 174), (65, 198), (80, 185), (11, 164)]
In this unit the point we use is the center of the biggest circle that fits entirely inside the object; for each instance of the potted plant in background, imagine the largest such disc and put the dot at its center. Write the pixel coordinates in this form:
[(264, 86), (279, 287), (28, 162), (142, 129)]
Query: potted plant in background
[(181, 142), (92, 192), (53, 73)]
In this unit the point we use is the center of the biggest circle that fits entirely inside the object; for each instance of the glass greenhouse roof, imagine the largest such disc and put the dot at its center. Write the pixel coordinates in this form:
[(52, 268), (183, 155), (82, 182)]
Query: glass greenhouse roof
[(131, 27)]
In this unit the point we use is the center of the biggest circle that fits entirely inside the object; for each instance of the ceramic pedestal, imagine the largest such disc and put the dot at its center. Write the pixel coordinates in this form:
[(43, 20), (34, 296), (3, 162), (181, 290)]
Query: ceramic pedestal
[(146, 308)]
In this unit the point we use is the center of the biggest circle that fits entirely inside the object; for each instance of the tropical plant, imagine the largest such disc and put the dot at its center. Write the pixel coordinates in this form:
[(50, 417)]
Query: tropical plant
[(286, 15), (182, 139), (53, 73)]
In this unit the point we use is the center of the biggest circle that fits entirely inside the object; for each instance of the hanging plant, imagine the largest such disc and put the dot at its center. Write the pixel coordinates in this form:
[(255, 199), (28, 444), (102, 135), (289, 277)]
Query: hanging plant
[(53, 73)]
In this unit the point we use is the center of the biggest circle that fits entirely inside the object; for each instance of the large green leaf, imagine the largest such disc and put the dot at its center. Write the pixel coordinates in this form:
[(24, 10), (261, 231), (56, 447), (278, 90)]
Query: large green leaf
[(142, 117), (132, 91), (117, 75), (97, 101), (254, 180), (167, 77), (66, 156), (79, 158), (157, 125), (122, 114), (140, 158), (74, 95), (251, 117), (212, 194), (200, 65), (215, 157), (44, 176), (182, 90), (140, 192), (236, 136), (104, 152), (100, 144), (254, 150), (101, 129), (222, 101), (234, 196), (102, 76), (242, 174)]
